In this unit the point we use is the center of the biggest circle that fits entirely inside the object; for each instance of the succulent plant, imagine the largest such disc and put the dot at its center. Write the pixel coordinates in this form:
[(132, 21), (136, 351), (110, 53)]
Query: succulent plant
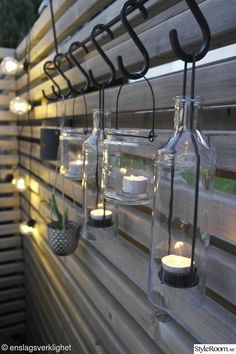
[(62, 220)]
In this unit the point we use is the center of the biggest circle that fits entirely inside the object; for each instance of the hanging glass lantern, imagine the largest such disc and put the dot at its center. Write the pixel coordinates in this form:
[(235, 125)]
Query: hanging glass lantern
[(128, 166), (99, 214), (185, 170), (71, 141)]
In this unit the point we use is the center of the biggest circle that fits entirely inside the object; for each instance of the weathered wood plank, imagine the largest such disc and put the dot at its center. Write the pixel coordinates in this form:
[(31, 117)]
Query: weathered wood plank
[(10, 215), (76, 15), (10, 242), (12, 294), (8, 202), (9, 229), (8, 160), (11, 281), (75, 322), (42, 25), (12, 306), (12, 255), (11, 268), (7, 52)]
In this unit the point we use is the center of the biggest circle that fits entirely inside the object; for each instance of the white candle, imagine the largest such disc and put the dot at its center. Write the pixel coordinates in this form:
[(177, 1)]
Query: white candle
[(134, 184), (176, 264), (75, 167), (98, 214)]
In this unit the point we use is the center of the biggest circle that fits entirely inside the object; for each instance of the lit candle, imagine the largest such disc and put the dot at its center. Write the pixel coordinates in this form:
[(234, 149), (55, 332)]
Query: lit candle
[(176, 264), (75, 167), (98, 214), (134, 184)]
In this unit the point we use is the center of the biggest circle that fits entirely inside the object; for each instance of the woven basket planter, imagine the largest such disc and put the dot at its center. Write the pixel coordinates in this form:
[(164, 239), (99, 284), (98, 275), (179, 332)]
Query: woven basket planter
[(63, 242)]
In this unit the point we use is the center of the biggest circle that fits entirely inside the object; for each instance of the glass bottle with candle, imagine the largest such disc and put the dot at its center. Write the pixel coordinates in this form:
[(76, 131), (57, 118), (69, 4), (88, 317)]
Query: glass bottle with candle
[(185, 169), (128, 166), (99, 214), (71, 141)]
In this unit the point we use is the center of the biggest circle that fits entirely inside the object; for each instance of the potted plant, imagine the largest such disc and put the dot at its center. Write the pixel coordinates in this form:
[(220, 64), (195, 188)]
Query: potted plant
[(63, 234)]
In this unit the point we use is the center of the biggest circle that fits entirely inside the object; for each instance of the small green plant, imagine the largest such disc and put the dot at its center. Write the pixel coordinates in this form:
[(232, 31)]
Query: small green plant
[(62, 220)]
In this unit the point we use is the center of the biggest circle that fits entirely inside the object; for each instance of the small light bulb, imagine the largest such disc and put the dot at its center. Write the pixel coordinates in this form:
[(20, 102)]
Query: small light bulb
[(19, 183), (10, 66), (19, 105), (28, 227)]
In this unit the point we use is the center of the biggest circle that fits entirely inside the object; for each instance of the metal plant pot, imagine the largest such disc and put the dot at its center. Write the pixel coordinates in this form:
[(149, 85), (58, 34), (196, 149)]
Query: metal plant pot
[(63, 242), (49, 143)]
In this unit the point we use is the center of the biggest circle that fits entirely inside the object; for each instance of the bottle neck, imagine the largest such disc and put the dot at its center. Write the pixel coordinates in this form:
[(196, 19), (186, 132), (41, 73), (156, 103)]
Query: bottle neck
[(101, 120), (187, 113)]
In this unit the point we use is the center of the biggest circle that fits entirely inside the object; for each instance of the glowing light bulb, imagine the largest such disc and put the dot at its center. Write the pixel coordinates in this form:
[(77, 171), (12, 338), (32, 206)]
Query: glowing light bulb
[(19, 183), (28, 227), (10, 66), (19, 105)]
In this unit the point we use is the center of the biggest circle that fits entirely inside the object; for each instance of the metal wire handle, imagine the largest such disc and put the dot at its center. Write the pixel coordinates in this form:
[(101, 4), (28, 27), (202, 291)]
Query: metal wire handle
[(151, 135)]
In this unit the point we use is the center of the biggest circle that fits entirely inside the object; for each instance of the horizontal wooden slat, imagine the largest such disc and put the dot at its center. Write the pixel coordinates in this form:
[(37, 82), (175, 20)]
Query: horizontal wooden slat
[(7, 52), (42, 25), (12, 255), (11, 319), (12, 293), (12, 306), (9, 130), (11, 268), (59, 316), (116, 312), (11, 281), (9, 202), (11, 215), (9, 229), (76, 15), (10, 242), (8, 160)]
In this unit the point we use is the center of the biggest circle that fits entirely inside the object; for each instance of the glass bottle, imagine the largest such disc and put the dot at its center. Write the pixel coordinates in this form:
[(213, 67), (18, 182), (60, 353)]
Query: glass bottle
[(71, 141), (128, 166), (99, 214), (185, 170)]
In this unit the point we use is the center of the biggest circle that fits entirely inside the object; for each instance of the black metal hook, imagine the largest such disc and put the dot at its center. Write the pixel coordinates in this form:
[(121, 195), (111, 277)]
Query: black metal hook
[(102, 28), (48, 65), (175, 44), (137, 41), (57, 62), (74, 46)]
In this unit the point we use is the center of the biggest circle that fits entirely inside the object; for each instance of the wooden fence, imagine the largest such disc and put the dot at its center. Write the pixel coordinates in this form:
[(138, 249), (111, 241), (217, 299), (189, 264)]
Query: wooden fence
[(12, 302), (96, 299)]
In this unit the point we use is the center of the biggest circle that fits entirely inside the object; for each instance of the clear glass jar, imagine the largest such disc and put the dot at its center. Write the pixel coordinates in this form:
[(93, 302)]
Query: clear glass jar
[(185, 170), (129, 166), (71, 141), (99, 214)]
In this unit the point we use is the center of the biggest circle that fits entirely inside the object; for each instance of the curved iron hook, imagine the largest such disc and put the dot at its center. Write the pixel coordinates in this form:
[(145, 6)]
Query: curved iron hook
[(175, 44), (56, 61), (57, 95), (102, 28), (137, 41), (73, 47)]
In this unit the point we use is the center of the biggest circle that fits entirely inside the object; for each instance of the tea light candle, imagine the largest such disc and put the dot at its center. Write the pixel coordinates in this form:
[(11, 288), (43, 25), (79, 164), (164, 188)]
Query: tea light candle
[(176, 264), (75, 167), (98, 214), (134, 184)]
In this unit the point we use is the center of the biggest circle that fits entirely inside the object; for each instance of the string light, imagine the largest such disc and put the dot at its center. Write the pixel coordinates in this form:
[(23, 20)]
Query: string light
[(28, 227), (10, 66), (19, 105), (19, 183)]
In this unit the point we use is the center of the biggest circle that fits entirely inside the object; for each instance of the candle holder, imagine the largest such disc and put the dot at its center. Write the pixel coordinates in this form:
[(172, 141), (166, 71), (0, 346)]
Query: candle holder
[(99, 214), (185, 169), (71, 141), (129, 166)]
